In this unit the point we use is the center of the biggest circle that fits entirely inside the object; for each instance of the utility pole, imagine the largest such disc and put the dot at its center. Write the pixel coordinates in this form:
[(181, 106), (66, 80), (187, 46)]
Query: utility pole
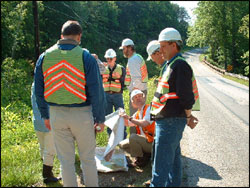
[(36, 29)]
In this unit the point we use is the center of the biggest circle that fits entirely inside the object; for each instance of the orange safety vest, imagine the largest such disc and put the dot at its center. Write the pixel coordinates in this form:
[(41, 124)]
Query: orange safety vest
[(115, 85), (143, 69), (149, 130)]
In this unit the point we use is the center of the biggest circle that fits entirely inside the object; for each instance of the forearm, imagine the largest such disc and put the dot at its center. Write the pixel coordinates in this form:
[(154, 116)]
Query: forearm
[(39, 89), (141, 123)]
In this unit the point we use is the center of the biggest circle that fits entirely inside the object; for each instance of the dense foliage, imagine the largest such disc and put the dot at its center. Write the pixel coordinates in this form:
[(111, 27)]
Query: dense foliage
[(105, 25), (224, 27)]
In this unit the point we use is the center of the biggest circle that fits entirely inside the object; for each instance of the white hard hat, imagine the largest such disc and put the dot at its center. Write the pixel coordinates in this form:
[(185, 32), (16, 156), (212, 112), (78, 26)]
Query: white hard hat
[(169, 34), (135, 92), (152, 47), (110, 53), (126, 42)]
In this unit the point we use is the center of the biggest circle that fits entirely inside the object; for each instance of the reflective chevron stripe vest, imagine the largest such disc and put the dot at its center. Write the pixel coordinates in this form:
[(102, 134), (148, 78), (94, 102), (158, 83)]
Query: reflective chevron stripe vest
[(162, 92), (64, 76)]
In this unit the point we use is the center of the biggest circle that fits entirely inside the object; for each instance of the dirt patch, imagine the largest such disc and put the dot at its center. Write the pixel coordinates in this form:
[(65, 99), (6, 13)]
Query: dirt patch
[(134, 177)]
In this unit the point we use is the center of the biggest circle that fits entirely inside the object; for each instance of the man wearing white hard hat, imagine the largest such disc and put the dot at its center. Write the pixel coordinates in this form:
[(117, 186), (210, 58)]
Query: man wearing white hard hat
[(136, 71), (113, 84), (154, 54), (175, 98), (139, 144)]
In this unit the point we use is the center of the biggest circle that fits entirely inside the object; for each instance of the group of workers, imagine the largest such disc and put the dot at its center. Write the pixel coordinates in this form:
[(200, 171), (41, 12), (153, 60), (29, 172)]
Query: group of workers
[(73, 91)]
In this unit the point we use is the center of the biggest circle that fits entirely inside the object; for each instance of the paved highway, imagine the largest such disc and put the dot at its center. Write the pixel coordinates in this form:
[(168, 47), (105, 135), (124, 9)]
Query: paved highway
[(216, 152)]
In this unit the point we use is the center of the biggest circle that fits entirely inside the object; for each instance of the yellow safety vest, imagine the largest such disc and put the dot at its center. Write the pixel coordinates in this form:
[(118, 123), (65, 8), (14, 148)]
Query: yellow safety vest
[(115, 85), (64, 76), (162, 92)]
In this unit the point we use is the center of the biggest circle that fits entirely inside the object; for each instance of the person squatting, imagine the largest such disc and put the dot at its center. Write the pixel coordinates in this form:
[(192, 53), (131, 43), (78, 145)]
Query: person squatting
[(74, 91)]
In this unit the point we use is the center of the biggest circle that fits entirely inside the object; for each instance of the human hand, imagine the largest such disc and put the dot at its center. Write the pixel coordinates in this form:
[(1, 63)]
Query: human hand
[(116, 74), (47, 123), (95, 56), (192, 121), (99, 127)]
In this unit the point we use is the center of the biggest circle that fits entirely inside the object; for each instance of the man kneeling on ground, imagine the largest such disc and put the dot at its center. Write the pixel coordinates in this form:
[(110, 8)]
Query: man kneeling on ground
[(139, 145)]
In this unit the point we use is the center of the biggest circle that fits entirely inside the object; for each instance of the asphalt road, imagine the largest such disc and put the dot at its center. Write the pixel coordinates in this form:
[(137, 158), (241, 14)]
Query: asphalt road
[(216, 152)]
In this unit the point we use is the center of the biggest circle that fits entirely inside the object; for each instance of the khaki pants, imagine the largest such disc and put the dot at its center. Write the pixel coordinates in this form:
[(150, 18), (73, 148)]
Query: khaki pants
[(136, 145), (47, 147), (132, 110), (70, 124)]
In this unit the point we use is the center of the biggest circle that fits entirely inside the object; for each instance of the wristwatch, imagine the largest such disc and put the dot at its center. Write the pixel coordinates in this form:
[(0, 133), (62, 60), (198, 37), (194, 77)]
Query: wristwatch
[(130, 118)]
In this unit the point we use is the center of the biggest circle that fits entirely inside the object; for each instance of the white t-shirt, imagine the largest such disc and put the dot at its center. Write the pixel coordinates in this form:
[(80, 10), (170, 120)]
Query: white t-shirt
[(146, 117), (134, 66)]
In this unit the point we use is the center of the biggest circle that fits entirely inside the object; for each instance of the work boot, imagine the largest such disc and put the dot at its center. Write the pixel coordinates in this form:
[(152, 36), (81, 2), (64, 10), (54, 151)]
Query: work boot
[(141, 161), (48, 176)]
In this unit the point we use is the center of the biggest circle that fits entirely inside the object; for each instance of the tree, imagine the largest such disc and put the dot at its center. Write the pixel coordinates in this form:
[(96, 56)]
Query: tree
[(217, 26)]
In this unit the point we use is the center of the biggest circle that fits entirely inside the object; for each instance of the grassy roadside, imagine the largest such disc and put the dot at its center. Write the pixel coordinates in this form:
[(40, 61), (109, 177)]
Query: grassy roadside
[(241, 81), (21, 165)]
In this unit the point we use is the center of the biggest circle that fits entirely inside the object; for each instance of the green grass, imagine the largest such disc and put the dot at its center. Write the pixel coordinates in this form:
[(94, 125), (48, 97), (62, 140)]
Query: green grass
[(241, 81), (20, 158)]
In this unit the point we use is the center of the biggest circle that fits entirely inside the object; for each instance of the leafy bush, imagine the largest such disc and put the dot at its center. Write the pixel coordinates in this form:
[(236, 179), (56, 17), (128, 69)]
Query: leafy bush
[(16, 79)]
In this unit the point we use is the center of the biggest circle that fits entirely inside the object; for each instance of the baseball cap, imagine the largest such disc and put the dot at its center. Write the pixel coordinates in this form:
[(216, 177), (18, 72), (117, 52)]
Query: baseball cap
[(152, 47), (135, 92), (126, 42)]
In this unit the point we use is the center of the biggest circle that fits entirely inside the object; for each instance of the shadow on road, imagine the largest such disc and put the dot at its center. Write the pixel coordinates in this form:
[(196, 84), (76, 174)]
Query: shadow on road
[(194, 169)]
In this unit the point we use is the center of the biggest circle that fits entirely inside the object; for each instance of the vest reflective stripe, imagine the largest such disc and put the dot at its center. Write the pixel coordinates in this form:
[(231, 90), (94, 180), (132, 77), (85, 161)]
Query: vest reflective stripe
[(112, 85), (148, 130), (163, 84), (144, 73), (163, 89), (143, 69), (68, 87), (64, 76), (64, 64), (156, 104), (127, 77), (167, 96)]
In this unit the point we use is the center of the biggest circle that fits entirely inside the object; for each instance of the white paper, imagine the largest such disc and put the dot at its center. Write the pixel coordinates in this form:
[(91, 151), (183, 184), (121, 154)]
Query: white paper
[(117, 163), (116, 124)]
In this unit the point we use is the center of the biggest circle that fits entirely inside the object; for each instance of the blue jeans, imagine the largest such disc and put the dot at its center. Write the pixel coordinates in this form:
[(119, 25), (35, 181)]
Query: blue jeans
[(167, 170), (114, 100)]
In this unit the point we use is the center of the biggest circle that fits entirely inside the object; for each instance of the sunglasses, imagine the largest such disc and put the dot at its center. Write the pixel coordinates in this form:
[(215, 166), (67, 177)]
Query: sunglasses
[(109, 59)]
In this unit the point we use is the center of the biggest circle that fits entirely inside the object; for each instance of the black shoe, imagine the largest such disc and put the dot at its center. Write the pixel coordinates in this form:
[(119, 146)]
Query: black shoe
[(48, 176), (50, 180), (141, 161)]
